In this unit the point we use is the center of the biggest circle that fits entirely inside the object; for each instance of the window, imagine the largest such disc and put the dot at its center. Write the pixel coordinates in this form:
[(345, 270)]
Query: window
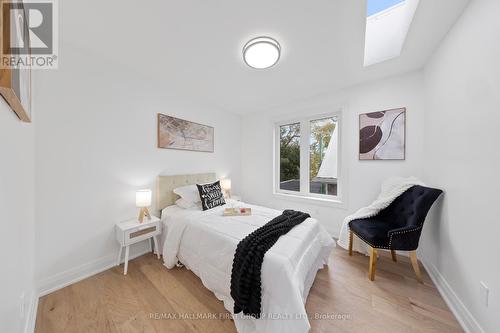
[(307, 157), (323, 157), (387, 25), (290, 157), (376, 6)]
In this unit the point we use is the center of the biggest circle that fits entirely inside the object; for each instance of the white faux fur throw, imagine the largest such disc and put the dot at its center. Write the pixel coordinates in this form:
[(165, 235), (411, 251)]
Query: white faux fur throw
[(391, 189)]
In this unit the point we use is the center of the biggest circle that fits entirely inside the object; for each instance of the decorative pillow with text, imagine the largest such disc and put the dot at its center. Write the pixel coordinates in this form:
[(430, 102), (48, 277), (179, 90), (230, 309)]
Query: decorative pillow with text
[(211, 195)]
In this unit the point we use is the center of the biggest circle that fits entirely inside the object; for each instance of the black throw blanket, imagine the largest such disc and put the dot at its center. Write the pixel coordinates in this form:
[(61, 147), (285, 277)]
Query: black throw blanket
[(248, 258)]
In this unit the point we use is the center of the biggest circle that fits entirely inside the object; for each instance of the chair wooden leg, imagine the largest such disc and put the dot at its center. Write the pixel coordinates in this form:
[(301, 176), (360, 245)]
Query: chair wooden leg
[(351, 236), (393, 254), (373, 264), (416, 268)]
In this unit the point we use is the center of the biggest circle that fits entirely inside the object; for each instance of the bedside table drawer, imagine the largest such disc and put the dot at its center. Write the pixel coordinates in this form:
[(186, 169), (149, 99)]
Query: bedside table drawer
[(141, 233)]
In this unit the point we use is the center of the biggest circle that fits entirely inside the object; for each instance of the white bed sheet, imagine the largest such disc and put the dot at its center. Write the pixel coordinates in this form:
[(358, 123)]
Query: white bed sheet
[(205, 242)]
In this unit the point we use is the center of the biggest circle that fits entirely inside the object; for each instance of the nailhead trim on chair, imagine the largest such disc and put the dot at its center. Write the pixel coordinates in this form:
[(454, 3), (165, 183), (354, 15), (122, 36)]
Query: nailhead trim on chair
[(367, 242), (390, 239), (402, 232)]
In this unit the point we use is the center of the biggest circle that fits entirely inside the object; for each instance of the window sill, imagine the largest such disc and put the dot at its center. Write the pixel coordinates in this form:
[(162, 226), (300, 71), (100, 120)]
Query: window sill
[(337, 203)]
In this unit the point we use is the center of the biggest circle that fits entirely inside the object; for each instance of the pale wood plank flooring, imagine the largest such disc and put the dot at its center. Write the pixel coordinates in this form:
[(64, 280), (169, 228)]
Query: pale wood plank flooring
[(112, 302)]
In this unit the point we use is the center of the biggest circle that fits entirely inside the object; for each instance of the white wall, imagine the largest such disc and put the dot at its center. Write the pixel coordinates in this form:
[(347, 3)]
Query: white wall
[(461, 144), (16, 219), (95, 146), (362, 179)]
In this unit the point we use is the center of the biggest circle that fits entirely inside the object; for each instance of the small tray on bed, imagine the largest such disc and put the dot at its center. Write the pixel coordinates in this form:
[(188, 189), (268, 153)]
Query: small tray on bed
[(237, 212)]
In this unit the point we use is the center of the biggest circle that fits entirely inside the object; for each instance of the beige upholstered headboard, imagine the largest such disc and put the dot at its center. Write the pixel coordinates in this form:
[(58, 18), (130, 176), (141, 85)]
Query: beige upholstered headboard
[(166, 185)]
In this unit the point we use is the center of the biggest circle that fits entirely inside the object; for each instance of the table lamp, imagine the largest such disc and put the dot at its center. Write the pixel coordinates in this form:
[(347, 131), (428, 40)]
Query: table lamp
[(143, 201), (226, 186)]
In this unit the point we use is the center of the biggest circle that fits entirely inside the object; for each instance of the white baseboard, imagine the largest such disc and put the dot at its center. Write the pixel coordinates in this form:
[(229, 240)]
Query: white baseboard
[(29, 326), (81, 272), (69, 277), (463, 315)]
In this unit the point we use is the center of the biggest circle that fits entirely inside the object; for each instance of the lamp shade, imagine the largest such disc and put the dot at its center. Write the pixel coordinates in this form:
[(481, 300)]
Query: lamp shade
[(143, 198), (225, 184)]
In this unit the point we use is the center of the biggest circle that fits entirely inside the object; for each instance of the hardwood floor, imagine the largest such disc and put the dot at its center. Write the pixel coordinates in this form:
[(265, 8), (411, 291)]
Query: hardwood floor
[(150, 297)]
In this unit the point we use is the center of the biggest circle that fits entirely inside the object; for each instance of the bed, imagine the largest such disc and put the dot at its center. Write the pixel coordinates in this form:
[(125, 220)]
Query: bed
[(205, 242)]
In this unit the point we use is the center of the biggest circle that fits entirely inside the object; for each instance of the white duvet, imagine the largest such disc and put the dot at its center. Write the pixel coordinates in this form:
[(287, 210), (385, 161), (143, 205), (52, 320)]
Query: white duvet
[(205, 242)]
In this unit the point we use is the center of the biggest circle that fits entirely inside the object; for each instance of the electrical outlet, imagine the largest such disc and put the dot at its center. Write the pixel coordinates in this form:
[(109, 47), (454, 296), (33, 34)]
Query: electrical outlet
[(485, 293), (22, 305)]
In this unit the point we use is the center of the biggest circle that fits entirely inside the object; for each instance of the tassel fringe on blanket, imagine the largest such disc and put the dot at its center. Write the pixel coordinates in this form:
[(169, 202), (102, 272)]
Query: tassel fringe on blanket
[(247, 263)]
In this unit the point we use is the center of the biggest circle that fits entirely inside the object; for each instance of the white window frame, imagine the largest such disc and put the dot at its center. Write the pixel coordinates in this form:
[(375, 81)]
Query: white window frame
[(305, 132)]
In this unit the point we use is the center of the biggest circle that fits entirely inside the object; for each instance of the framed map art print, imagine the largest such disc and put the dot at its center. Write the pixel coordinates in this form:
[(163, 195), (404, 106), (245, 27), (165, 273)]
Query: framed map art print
[(175, 133)]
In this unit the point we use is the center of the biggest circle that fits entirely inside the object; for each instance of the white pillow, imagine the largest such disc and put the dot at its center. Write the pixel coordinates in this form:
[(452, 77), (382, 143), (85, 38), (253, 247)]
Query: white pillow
[(186, 204), (189, 193)]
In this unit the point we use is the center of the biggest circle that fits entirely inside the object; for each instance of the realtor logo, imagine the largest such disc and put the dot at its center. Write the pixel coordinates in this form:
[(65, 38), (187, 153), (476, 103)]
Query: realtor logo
[(30, 34)]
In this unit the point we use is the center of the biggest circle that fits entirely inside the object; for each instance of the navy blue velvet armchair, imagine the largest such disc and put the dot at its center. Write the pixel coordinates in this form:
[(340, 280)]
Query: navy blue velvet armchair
[(397, 227)]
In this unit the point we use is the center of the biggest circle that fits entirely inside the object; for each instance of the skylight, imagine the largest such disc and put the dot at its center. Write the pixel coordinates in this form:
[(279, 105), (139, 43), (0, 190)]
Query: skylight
[(377, 6), (387, 25)]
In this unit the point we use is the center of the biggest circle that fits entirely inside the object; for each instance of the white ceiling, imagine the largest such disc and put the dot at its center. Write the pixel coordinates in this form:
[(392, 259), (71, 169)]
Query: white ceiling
[(194, 47)]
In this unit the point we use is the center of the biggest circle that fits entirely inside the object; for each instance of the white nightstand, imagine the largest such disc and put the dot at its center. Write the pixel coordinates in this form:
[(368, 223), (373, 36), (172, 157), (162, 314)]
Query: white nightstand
[(131, 232)]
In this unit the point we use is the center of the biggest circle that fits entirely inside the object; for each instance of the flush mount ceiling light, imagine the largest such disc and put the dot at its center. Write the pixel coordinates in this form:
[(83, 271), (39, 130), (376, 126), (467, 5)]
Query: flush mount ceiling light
[(261, 52)]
